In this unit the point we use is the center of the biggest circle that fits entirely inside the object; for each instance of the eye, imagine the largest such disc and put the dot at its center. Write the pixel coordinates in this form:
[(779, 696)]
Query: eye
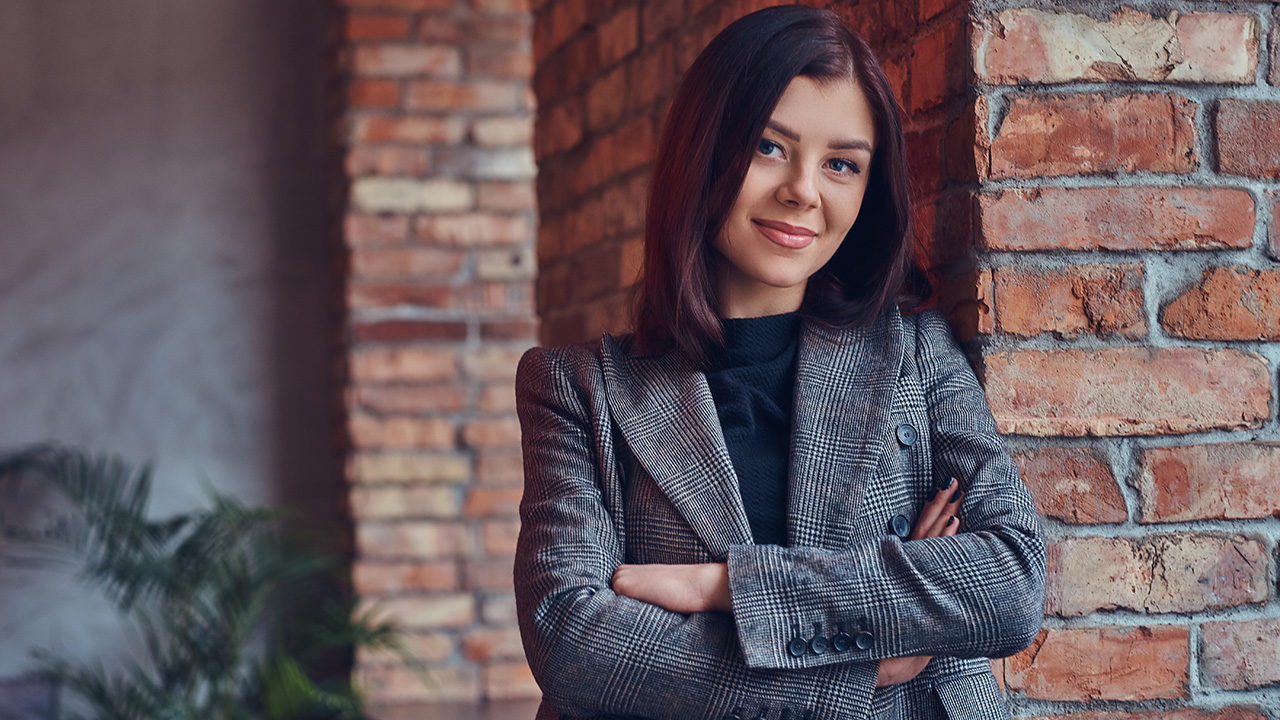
[(845, 167), (768, 148)]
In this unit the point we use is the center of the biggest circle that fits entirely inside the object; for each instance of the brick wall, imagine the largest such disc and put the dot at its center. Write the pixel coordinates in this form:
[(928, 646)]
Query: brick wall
[(440, 229), (1128, 175), (1098, 189)]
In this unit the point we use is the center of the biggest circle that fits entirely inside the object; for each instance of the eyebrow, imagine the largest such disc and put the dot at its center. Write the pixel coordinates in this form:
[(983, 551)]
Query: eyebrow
[(794, 136)]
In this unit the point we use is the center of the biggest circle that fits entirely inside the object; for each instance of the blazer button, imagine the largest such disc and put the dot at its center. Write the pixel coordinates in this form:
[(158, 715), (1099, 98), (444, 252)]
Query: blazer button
[(841, 641), (906, 434), (733, 716), (863, 640), (899, 526), (819, 644), (797, 646)]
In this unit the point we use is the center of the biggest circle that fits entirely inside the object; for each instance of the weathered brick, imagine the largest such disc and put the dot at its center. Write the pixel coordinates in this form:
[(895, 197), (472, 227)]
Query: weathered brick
[(501, 6), (430, 646), (512, 196), (1102, 663), (1248, 137), (375, 230), (1102, 300), (399, 683), (560, 130), (375, 26), (932, 8), (499, 467), (422, 539), (463, 96), (1229, 303), (374, 93), (367, 295), (491, 432), (492, 643), (409, 467), (375, 194), (497, 298), (382, 502), (1116, 218), (409, 330), (1156, 573), (1087, 134), (406, 262), (493, 363), (1242, 654), (506, 264), (521, 329), (414, 129), (1234, 712), (406, 60), (606, 99), (472, 229), (500, 536), (503, 132), (510, 681), (488, 574), (487, 163), (1110, 392), (1224, 481), (966, 300), (939, 62), (1274, 235), (1072, 485), (431, 611), (492, 502), (383, 160), (451, 397), (650, 75), (502, 62), (1273, 75), (619, 35), (381, 578), (368, 431), (403, 364), (1027, 45)]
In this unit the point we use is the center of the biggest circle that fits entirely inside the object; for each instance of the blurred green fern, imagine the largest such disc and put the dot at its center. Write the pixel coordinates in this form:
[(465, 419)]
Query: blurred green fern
[(224, 606)]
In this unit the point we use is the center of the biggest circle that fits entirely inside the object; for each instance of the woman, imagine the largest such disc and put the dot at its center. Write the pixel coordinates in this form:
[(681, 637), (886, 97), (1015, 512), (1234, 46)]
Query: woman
[(736, 513)]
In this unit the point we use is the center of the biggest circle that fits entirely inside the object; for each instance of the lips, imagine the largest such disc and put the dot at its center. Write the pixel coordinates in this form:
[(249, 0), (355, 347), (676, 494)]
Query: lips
[(786, 235)]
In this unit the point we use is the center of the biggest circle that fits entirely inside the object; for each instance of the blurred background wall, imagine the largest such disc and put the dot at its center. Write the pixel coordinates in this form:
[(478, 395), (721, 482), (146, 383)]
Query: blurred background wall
[(168, 287)]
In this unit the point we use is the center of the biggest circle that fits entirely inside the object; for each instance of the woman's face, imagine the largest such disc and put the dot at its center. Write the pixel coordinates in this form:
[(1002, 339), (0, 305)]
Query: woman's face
[(801, 195)]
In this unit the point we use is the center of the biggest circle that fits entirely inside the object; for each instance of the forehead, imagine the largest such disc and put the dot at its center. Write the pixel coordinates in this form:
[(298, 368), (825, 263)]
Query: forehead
[(822, 111)]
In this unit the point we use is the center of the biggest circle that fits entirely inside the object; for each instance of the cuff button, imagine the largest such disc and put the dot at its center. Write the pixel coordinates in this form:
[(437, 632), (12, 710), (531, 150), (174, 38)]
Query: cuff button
[(863, 640), (841, 642), (797, 646)]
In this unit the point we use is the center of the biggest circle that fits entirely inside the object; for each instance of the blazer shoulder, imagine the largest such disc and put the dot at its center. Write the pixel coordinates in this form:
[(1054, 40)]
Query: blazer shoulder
[(575, 362)]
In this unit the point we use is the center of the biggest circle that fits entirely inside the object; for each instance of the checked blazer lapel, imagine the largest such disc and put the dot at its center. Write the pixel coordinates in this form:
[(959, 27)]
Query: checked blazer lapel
[(841, 422), (664, 409)]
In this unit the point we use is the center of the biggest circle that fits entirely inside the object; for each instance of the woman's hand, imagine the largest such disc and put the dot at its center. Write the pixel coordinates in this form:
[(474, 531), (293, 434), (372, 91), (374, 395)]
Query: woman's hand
[(937, 519), (678, 588)]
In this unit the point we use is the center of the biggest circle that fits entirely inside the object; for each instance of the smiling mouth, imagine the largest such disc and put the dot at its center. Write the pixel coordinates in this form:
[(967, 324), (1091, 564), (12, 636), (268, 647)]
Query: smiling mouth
[(788, 236)]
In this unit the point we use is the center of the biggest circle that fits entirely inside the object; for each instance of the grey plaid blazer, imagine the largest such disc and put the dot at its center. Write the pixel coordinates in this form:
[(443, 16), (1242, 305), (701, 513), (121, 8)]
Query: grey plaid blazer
[(625, 463)]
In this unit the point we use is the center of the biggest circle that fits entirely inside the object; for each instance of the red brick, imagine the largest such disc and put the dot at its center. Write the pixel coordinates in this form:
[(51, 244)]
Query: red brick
[(1026, 45), (938, 64), (403, 364), (966, 301), (500, 536), (410, 398), (606, 99), (474, 229), (488, 574), (363, 296), (492, 363), (375, 230), (1234, 712), (1072, 484), (1275, 226), (409, 330), (500, 396), (399, 683), (1229, 303), (427, 646), (932, 8), (491, 433), (510, 681), (499, 467), (492, 502), (413, 466), (1273, 75), (371, 26), (479, 95), (419, 540), (619, 35), (474, 163), (1248, 135), (501, 6), (924, 158), (559, 130), (374, 93), (402, 500), (518, 329), (492, 643), (497, 298), (1102, 300), (1116, 218), (418, 129), (1241, 655), (406, 262), (1102, 663), (512, 196), (650, 75), (399, 161), (1155, 574), (404, 60), (485, 30), (1225, 481), (455, 610), (1090, 134), (369, 578), (501, 62), (633, 144), (368, 431), (502, 131), (1111, 391)]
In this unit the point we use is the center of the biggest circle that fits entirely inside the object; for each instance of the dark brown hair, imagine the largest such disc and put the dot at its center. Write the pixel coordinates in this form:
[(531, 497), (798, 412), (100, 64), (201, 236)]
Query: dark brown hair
[(716, 120)]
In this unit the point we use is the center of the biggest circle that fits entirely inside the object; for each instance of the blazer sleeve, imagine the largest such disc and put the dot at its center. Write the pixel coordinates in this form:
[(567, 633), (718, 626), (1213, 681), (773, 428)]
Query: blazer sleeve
[(977, 594), (594, 652)]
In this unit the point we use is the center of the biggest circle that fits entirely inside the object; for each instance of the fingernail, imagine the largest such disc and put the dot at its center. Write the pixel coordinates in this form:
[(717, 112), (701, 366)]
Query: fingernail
[(950, 482), (952, 520), (957, 496)]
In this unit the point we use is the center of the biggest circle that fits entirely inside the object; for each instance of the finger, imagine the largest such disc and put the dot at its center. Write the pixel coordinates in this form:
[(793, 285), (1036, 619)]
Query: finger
[(951, 528), (934, 509)]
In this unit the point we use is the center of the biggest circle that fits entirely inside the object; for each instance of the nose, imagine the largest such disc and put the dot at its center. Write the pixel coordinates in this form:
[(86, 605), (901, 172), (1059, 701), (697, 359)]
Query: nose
[(799, 189)]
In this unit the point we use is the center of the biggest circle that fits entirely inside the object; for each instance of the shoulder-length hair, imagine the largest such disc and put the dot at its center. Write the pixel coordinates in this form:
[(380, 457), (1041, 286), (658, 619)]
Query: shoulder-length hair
[(716, 120)]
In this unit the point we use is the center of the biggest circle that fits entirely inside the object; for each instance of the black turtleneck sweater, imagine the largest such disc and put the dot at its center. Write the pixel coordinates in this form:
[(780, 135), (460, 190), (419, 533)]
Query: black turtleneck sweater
[(752, 382)]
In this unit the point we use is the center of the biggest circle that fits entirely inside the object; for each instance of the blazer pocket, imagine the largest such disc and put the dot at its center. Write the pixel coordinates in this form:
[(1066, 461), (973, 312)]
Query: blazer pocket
[(971, 697)]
